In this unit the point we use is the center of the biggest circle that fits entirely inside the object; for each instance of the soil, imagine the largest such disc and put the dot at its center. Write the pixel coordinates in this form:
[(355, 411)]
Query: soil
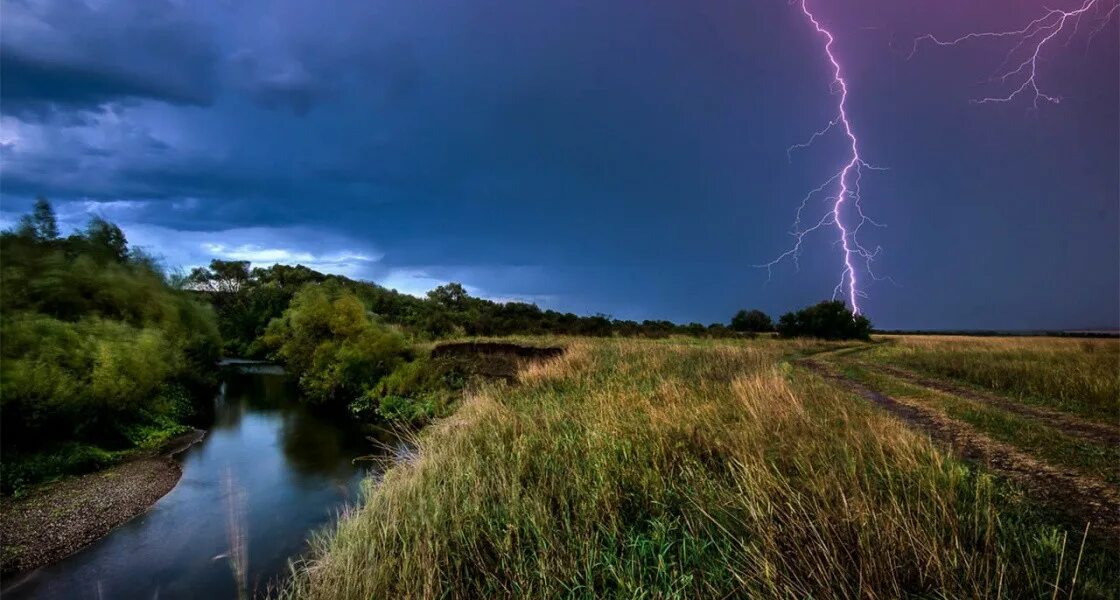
[(490, 360), (60, 518), (494, 348), (1081, 498)]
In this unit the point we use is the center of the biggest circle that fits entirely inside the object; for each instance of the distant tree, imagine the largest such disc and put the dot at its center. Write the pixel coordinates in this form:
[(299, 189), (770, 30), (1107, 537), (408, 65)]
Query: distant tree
[(752, 321), (223, 276), (438, 323), (830, 320), (598, 325), (718, 330), (107, 240), (626, 328), (656, 328), (695, 329), (452, 296), (41, 225)]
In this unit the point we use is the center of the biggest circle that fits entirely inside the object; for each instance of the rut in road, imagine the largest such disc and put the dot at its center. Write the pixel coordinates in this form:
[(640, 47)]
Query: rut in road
[(1082, 498), (1097, 432)]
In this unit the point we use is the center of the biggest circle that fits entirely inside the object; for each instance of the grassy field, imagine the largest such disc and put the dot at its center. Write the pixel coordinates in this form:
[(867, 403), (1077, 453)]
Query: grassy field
[(702, 469), (1073, 375)]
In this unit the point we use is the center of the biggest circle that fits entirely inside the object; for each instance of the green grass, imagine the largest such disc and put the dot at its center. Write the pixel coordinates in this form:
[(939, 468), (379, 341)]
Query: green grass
[(669, 469), (21, 472), (147, 431), (1025, 433), (1081, 377)]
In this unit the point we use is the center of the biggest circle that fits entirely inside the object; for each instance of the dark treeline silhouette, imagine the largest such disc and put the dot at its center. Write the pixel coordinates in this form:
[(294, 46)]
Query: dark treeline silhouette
[(247, 299)]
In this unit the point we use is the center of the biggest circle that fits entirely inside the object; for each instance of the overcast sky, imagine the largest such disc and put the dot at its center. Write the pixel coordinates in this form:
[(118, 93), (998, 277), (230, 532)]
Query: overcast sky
[(622, 157)]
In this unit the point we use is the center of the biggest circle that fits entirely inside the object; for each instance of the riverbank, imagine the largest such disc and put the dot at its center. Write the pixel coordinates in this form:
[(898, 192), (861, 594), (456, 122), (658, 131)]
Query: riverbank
[(59, 518)]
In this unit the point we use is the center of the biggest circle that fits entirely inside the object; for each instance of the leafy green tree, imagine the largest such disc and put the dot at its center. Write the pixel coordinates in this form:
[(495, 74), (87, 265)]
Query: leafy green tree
[(327, 337), (452, 296), (752, 321), (830, 320)]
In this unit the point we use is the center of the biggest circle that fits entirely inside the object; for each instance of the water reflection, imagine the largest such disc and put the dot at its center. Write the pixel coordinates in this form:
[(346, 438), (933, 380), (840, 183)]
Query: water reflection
[(283, 469)]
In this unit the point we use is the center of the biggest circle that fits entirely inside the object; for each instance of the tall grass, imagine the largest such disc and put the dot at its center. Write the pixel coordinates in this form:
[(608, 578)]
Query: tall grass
[(672, 470), (1077, 376)]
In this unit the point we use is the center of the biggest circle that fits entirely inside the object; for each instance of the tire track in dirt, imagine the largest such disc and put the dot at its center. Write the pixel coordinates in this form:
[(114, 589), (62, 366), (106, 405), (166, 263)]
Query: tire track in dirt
[(1082, 498), (1096, 432)]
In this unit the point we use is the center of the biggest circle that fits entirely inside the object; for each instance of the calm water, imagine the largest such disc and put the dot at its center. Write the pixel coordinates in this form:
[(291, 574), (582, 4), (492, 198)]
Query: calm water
[(268, 469)]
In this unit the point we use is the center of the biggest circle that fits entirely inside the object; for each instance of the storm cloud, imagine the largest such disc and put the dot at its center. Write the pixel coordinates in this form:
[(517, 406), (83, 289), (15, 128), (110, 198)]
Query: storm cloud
[(619, 157)]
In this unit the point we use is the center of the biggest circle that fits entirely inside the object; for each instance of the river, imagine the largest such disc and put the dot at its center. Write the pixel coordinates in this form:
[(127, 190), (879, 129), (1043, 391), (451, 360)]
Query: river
[(266, 475)]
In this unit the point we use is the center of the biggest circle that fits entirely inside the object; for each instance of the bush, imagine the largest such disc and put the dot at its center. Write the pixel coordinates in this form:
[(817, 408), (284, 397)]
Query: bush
[(327, 337), (830, 320), (19, 471), (415, 392)]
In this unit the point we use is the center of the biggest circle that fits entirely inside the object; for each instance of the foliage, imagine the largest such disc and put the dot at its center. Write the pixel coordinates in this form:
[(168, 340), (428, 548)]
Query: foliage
[(93, 341), (20, 471), (41, 225), (753, 321), (416, 391), (327, 336), (829, 320), (246, 301)]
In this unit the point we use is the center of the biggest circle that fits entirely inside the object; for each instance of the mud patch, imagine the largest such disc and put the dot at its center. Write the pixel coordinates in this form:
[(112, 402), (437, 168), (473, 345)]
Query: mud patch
[(491, 360), (495, 349)]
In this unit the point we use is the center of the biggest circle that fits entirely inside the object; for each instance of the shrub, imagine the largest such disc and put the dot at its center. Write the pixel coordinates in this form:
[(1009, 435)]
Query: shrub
[(416, 391), (327, 337)]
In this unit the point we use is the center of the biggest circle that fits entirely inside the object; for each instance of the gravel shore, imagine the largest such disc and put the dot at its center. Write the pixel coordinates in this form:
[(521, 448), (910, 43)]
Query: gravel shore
[(60, 518)]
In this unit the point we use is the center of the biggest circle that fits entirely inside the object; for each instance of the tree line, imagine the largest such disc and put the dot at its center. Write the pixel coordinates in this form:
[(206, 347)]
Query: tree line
[(246, 300)]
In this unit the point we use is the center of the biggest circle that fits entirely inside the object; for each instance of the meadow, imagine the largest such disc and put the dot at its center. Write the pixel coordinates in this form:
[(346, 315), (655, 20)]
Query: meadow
[(690, 468)]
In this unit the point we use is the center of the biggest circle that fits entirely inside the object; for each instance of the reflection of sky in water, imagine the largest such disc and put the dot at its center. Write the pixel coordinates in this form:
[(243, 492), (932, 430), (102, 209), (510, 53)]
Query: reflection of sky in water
[(292, 471)]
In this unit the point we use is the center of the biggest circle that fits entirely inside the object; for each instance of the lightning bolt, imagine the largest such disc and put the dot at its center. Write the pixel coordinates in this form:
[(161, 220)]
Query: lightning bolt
[(1018, 72), (844, 188)]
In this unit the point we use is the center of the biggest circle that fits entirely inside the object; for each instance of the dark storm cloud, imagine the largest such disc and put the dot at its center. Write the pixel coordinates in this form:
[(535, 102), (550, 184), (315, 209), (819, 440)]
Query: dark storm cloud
[(70, 54), (34, 85), (625, 157)]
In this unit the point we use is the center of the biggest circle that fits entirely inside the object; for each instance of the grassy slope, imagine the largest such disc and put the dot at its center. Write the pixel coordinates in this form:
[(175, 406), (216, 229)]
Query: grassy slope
[(687, 469)]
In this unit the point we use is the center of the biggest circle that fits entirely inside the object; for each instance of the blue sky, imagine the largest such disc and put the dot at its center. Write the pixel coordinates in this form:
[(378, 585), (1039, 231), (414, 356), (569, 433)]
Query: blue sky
[(619, 157)]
